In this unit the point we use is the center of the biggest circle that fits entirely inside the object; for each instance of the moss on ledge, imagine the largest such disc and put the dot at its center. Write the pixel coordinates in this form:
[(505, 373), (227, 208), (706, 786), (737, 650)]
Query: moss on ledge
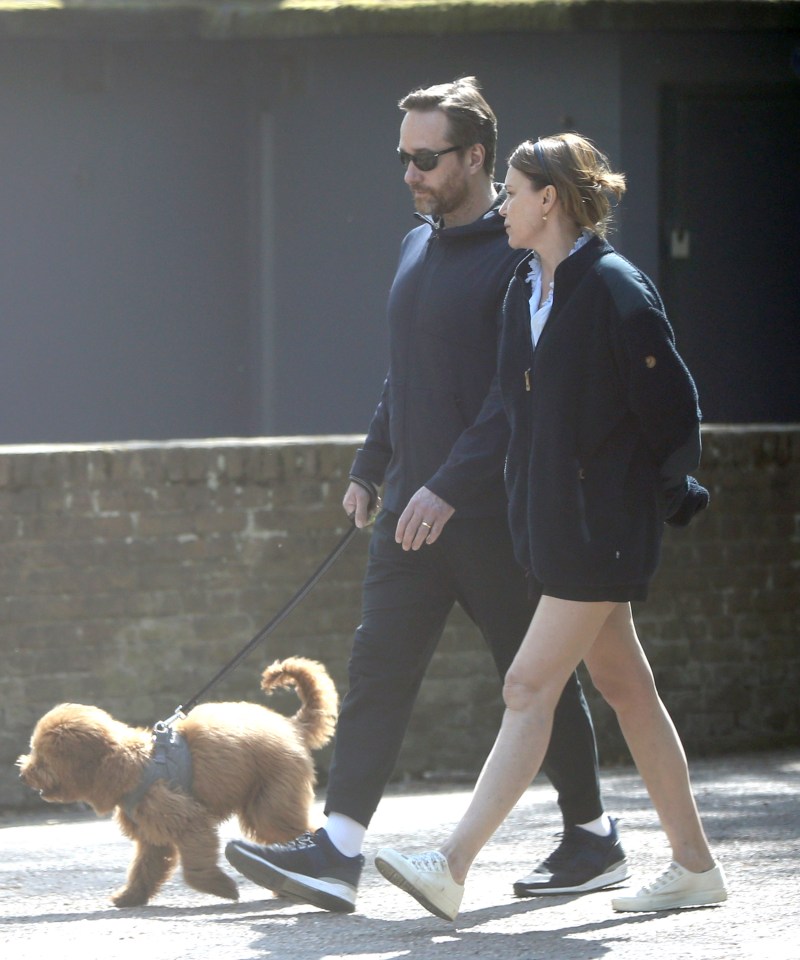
[(251, 19)]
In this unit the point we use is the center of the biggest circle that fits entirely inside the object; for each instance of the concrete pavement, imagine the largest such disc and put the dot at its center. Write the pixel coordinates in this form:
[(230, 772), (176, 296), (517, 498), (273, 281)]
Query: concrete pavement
[(57, 870)]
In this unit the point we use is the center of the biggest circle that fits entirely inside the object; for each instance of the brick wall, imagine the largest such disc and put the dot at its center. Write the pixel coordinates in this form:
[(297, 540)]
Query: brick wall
[(129, 574)]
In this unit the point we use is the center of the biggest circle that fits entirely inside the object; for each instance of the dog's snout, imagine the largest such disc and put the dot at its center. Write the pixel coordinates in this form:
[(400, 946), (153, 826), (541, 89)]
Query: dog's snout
[(28, 772)]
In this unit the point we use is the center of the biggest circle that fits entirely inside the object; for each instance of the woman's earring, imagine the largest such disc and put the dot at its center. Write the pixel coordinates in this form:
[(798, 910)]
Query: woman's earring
[(544, 217)]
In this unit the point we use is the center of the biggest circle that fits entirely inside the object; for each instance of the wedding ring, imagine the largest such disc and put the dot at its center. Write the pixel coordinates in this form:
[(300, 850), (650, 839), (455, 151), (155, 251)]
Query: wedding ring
[(426, 524)]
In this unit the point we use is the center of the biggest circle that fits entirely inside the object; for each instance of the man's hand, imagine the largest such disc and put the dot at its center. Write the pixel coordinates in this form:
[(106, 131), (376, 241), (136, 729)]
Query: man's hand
[(422, 520), (356, 504)]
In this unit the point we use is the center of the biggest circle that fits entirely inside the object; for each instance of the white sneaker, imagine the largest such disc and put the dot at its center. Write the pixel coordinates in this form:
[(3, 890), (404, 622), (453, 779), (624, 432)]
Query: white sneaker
[(426, 876), (676, 888)]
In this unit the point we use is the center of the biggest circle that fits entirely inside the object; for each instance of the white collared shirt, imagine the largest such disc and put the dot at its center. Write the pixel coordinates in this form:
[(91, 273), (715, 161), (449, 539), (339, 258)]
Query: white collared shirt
[(539, 314)]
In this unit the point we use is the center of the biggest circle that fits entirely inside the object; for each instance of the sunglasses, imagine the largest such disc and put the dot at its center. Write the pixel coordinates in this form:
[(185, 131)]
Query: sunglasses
[(424, 160)]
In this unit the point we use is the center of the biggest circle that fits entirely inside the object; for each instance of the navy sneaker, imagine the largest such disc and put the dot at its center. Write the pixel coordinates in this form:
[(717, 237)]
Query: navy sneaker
[(307, 870), (580, 863)]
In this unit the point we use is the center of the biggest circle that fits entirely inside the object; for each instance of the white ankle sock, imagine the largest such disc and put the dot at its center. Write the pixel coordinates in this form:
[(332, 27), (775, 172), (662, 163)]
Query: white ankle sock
[(346, 834), (601, 827)]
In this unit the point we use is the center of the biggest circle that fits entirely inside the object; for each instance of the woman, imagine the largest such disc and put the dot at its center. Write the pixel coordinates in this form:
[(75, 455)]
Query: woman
[(604, 429)]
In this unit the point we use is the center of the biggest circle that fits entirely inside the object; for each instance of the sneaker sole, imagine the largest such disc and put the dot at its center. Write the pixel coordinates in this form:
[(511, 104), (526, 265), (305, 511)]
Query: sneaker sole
[(394, 876), (609, 878), (700, 898), (327, 894)]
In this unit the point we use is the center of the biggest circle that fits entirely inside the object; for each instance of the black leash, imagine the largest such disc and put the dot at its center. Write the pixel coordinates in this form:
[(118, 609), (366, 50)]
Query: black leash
[(262, 634)]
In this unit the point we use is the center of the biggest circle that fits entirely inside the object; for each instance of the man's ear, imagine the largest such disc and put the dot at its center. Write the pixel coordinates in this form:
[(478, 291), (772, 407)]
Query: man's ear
[(476, 155)]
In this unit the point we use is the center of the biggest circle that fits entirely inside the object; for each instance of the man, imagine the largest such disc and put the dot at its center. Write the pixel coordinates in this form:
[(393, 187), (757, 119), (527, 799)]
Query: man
[(437, 444)]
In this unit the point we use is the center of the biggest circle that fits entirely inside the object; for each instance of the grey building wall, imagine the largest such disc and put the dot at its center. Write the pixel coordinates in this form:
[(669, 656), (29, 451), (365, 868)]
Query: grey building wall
[(124, 295), (197, 237)]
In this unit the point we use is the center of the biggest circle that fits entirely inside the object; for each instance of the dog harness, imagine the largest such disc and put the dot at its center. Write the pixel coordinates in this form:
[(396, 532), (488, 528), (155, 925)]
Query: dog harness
[(170, 761)]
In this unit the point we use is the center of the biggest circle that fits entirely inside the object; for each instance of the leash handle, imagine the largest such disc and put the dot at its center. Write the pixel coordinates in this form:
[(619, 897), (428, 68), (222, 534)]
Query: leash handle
[(279, 617)]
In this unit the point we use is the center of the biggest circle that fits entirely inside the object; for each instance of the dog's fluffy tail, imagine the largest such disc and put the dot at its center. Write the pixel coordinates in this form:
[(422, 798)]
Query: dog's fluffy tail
[(318, 697)]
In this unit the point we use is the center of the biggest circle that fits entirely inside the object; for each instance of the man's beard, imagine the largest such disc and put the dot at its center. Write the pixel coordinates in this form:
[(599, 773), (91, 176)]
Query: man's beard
[(439, 202)]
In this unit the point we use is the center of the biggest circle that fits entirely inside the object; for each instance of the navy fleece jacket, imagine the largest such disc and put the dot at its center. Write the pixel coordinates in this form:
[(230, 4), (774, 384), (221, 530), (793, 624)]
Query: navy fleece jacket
[(604, 424)]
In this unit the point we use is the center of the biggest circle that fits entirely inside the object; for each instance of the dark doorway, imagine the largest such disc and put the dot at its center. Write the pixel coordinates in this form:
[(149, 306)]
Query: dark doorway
[(730, 269)]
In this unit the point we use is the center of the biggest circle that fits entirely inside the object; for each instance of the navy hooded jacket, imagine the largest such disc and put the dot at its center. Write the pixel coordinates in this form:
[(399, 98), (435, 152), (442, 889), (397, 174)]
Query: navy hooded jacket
[(434, 425)]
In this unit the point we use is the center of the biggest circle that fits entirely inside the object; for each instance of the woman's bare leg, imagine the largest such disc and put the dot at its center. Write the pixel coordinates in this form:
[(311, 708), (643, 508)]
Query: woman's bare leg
[(560, 635), (620, 671)]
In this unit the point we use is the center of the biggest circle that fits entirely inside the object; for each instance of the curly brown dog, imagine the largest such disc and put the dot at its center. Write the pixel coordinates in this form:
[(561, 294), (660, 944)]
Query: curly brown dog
[(246, 760)]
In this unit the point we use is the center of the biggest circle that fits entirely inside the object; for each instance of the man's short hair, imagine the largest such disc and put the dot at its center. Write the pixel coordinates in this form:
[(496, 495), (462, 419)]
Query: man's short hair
[(470, 118)]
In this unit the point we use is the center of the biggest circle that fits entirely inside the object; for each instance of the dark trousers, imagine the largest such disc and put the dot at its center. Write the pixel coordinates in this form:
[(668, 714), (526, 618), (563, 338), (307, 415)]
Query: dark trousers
[(407, 597)]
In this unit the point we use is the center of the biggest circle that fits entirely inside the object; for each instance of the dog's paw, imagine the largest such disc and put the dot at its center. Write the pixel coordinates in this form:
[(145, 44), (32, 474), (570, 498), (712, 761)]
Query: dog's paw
[(215, 882), (125, 897), (225, 887)]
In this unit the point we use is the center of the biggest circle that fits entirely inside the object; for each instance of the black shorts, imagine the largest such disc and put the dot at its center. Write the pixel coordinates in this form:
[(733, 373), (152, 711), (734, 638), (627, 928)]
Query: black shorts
[(592, 593)]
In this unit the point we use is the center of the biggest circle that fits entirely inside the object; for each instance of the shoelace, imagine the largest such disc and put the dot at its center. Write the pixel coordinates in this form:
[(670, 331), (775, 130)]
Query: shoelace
[(672, 872), (432, 862), (299, 843), (571, 849)]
